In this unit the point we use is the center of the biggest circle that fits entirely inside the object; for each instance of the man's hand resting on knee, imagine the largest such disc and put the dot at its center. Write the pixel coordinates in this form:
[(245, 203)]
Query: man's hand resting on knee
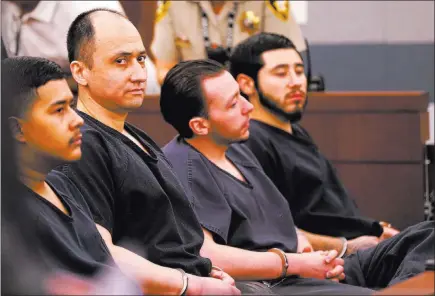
[(320, 265), (218, 273), (361, 243)]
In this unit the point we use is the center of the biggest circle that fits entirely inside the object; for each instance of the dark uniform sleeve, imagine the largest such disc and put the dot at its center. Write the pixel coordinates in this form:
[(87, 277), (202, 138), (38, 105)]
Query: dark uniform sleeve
[(209, 201), (92, 175)]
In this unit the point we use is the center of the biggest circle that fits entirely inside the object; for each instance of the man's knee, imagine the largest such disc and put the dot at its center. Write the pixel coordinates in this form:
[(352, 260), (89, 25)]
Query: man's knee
[(253, 288)]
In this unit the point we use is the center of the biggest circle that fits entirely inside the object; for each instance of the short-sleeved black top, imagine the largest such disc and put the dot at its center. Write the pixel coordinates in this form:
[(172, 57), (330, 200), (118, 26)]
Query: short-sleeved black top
[(137, 197), (317, 198), (71, 241), (251, 215)]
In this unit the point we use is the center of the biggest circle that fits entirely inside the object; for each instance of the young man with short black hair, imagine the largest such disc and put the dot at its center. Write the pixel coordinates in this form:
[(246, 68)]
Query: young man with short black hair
[(46, 133)]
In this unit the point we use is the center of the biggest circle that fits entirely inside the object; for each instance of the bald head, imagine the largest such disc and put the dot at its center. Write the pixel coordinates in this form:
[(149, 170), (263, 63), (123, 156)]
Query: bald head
[(110, 29), (82, 32)]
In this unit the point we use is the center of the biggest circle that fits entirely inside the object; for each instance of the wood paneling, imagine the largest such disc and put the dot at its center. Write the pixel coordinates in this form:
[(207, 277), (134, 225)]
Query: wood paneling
[(362, 136), (374, 140), (387, 192)]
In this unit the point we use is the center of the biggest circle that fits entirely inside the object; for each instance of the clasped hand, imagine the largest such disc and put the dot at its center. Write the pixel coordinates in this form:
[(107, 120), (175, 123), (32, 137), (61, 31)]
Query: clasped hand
[(321, 265)]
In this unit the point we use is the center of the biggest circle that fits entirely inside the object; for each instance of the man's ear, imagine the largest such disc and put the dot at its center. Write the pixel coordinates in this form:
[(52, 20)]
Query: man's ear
[(199, 126), (15, 125), (246, 84), (79, 72)]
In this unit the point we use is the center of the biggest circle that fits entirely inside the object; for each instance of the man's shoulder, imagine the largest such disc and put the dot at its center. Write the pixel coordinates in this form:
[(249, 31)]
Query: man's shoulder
[(260, 134), (177, 147), (95, 136), (178, 152), (258, 127), (301, 131), (62, 184), (243, 155), (144, 137), (98, 150)]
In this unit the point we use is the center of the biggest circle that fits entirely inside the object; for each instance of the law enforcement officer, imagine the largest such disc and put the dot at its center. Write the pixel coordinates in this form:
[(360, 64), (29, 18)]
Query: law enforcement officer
[(187, 30)]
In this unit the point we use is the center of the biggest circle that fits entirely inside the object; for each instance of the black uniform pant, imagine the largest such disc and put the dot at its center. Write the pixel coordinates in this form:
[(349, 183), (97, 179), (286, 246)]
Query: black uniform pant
[(301, 286), (393, 260)]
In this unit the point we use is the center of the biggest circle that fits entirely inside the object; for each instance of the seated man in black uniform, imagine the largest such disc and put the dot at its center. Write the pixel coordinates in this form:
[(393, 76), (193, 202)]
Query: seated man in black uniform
[(270, 72), (246, 220), (130, 188), (46, 133)]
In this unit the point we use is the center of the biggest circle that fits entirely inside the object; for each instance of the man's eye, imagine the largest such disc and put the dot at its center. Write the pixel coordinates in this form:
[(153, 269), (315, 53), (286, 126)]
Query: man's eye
[(281, 74), (60, 110), (141, 59), (122, 61)]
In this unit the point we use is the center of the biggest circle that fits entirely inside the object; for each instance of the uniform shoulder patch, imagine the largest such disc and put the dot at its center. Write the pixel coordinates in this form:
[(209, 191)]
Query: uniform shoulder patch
[(280, 8), (162, 10)]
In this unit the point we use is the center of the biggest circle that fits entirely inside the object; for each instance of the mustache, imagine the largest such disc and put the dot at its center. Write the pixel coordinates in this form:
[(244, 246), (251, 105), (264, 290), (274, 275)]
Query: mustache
[(295, 92), (78, 134)]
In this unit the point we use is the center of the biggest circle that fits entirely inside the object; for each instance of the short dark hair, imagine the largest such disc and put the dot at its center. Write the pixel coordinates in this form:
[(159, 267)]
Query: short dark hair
[(21, 76), (182, 96), (80, 39), (246, 56)]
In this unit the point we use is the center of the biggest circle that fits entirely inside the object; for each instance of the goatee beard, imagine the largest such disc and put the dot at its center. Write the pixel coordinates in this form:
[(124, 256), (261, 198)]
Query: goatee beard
[(292, 117)]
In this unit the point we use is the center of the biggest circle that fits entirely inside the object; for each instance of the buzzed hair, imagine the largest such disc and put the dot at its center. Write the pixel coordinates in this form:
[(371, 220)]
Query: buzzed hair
[(21, 77), (80, 38)]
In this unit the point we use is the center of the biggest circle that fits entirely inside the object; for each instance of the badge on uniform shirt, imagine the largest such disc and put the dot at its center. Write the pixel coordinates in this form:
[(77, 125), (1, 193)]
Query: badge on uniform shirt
[(182, 42), (249, 22), (162, 10), (279, 8)]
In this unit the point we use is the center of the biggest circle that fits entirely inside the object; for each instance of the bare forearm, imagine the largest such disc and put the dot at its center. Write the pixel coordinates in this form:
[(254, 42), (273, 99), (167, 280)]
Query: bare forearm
[(153, 278), (242, 264), (323, 242)]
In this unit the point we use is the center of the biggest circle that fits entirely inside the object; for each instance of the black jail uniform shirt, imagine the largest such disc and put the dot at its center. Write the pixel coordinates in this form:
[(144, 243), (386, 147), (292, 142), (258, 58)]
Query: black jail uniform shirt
[(137, 197), (250, 215), (70, 242), (317, 198)]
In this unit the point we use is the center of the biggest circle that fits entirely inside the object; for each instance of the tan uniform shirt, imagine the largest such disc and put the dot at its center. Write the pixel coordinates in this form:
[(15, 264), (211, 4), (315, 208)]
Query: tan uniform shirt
[(178, 34)]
